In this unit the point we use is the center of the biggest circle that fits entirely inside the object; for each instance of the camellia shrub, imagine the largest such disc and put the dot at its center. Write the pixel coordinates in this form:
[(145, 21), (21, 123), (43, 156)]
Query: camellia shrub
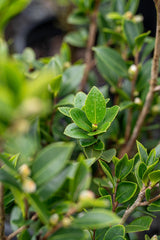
[(79, 153)]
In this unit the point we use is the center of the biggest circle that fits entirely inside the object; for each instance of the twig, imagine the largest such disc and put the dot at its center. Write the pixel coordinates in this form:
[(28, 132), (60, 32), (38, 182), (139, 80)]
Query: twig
[(153, 82), (128, 212), (150, 201), (90, 44), (21, 229)]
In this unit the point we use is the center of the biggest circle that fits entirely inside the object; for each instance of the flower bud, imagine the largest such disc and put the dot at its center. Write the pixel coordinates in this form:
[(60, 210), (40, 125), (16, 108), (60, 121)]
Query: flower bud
[(138, 101), (155, 109), (66, 222), (29, 185), (132, 70), (94, 126), (24, 170), (154, 237), (128, 15), (138, 18), (86, 195), (66, 65), (54, 219), (135, 93)]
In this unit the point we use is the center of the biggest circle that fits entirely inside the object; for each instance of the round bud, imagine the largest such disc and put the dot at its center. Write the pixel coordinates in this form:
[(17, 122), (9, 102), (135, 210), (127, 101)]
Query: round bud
[(54, 219), (24, 170), (138, 101), (29, 185), (135, 93), (132, 70), (94, 126), (155, 109), (138, 18), (154, 237), (66, 221), (121, 141), (86, 195), (66, 65), (128, 15)]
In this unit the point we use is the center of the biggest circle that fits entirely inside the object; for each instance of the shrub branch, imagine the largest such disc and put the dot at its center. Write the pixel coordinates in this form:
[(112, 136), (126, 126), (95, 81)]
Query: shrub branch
[(153, 83)]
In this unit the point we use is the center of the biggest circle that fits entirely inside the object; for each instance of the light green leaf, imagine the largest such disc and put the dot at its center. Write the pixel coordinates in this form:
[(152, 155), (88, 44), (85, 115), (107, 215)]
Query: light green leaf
[(72, 130), (125, 191), (142, 152), (132, 6), (95, 106), (115, 231), (152, 157), (140, 169), (140, 40), (68, 100), (79, 100), (80, 119), (65, 111), (149, 169), (78, 18), (77, 38), (154, 177), (154, 207), (55, 85), (91, 153), (157, 151), (96, 219), (50, 161), (111, 113), (140, 224), (124, 167)]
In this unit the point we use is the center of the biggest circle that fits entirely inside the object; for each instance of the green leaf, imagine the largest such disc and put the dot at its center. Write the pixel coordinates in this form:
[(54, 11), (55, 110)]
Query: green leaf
[(8, 179), (68, 100), (55, 85), (81, 180), (150, 43), (140, 40), (101, 129), (65, 52), (140, 224), (115, 231), (125, 191), (110, 62), (126, 104), (148, 194), (49, 189), (107, 171), (71, 79), (140, 169), (154, 177), (157, 151), (95, 106), (24, 235), (72, 130), (152, 157), (142, 152), (131, 32), (79, 100), (154, 207), (124, 167), (78, 18), (99, 145), (111, 113), (69, 233), (80, 119), (77, 38), (108, 155), (91, 153), (39, 207), (132, 6), (50, 161), (149, 169), (96, 219), (65, 111), (88, 142)]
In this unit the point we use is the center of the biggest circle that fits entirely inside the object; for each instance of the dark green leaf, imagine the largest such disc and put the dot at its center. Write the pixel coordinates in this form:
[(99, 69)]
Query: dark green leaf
[(95, 106), (50, 161), (101, 129), (107, 171), (99, 145), (132, 6), (115, 231), (80, 119), (152, 157), (91, 153), (69, 233), (96, 219), (124, 167), (8, 179), (125, 191), (131, 32), (139, 224), (140, 39), (140, 169), (142, 152), (77, 38), (108, 155), (88, 142), (157, 151), (154, 177)]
